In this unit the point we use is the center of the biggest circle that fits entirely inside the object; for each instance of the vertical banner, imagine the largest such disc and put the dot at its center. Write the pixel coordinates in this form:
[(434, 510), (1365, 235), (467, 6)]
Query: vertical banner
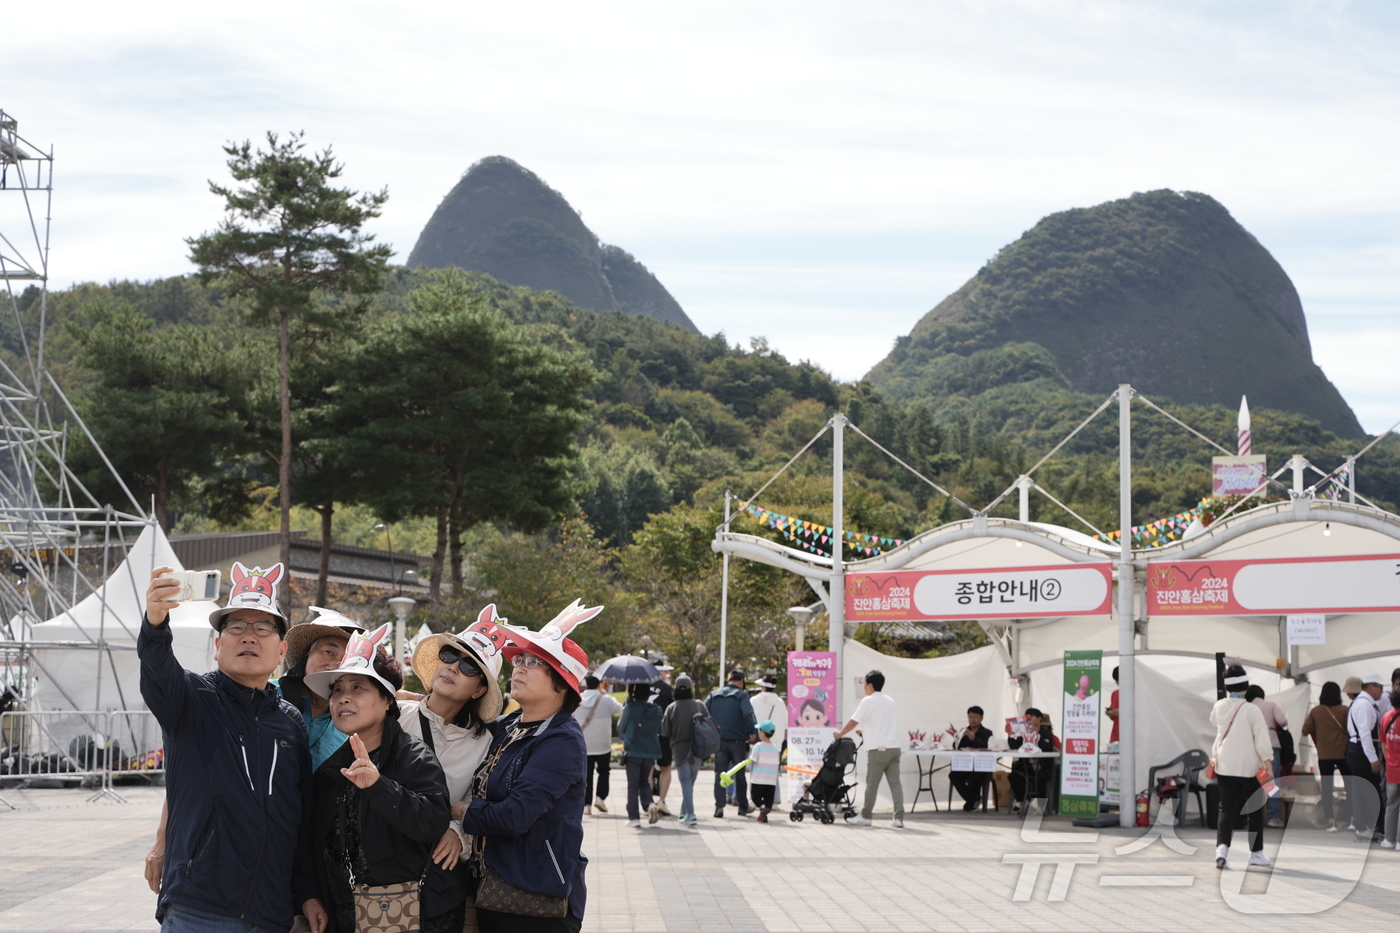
[(1079, 766), (811, 708)]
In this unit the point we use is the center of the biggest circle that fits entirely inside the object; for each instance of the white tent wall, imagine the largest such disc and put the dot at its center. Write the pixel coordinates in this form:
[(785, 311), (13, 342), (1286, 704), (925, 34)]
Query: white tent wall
[(929, 695), (67, 676)]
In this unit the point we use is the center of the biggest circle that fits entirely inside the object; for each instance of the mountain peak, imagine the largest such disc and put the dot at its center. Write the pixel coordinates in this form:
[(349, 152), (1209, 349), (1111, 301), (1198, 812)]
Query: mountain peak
[(1163, 289), (504, 220)]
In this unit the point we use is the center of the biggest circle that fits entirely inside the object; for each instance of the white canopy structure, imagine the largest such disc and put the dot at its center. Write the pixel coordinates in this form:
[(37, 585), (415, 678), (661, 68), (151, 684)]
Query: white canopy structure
[(85, 658), (1229, 589)]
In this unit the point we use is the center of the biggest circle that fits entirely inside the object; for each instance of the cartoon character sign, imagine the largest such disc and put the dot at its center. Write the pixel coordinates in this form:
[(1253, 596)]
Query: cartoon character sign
[(359, 654), (552, 634), (256, 588), (486, 637)]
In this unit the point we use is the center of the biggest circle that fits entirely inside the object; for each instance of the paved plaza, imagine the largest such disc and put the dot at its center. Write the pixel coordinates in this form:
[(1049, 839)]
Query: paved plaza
[(71, 865)]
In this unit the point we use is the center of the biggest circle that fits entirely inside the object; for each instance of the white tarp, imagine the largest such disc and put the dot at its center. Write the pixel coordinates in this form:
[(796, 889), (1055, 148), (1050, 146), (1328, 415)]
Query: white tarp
[(67, 676), (929, 695)]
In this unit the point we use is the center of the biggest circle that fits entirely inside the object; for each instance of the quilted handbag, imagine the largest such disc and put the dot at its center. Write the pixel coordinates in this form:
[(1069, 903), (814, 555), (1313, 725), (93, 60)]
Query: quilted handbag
[(495, 893), (387, 908)]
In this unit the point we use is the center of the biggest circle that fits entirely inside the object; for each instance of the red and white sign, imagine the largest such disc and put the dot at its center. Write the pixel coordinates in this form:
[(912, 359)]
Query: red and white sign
[(1003, 593), (1364, 583), (1080, 746)]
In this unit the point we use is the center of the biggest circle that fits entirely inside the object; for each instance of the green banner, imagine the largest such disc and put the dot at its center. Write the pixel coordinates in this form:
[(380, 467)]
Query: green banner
[(1079, 762)]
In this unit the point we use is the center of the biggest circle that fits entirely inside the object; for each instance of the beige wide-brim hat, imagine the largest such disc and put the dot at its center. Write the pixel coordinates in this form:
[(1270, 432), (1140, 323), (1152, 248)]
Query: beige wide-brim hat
[(328, 623), (425, 665)]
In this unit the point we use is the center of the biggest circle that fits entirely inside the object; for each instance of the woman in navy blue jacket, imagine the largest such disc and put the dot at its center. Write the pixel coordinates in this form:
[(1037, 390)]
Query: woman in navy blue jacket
[(526, 815), (640, 728)]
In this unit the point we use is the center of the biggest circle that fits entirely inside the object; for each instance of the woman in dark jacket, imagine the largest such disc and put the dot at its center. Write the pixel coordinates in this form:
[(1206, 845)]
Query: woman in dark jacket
[(1031, 776), (526, 815), (380, 801), (640, 728), (678, 725)]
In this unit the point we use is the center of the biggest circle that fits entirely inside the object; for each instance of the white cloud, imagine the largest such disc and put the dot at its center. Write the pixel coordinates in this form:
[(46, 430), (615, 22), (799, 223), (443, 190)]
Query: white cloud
[(820, 173)]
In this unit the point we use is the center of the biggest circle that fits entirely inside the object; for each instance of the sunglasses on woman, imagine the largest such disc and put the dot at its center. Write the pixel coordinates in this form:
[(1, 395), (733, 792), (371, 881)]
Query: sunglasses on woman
[(464, 664)]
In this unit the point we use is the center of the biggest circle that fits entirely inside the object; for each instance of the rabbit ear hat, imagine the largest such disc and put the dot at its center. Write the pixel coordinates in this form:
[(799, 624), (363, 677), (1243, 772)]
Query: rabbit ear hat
[(483, 640), (252, 589), (359, 659), (552, 643)]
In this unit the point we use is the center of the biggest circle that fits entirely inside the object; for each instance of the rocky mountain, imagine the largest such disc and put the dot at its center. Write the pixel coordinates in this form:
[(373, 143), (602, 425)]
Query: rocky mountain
[(502, 219), (1164, 290)]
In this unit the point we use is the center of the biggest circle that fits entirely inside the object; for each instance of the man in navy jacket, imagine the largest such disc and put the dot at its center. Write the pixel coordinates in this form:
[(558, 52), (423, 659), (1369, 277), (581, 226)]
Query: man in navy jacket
[(238, 770), (732, 711)]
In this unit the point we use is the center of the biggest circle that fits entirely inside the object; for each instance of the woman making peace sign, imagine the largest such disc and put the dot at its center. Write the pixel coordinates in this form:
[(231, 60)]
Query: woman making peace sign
[(380, 800)]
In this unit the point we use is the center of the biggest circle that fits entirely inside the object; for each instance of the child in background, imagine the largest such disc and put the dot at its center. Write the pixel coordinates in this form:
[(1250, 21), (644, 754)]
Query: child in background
[(763, 775)]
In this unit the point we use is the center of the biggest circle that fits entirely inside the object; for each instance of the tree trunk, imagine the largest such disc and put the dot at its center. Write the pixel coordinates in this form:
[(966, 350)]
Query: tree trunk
[(455, 523), (162, 503), (439, 556), (284, 466), (323, 575)]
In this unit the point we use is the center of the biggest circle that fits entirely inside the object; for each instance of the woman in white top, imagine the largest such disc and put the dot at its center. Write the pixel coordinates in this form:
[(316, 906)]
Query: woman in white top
[(1241, 748), (460, 673)]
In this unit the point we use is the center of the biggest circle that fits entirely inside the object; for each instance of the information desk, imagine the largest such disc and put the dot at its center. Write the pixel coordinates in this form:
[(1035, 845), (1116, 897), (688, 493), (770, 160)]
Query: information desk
[(978, 760)]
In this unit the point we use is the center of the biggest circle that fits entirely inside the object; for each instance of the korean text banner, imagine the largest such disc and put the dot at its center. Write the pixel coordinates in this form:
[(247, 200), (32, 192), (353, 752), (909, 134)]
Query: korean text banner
[(1003, 593), (1363, 583), (811, 707), (1079, 763)]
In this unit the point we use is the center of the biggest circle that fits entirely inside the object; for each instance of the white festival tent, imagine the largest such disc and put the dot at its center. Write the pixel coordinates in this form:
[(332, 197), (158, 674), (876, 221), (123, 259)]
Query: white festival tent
[(85, 658), (1315, 548)]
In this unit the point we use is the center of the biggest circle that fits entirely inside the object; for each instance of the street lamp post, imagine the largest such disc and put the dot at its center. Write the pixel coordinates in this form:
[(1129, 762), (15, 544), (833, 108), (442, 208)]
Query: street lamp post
[(402, 606), (801, 615)]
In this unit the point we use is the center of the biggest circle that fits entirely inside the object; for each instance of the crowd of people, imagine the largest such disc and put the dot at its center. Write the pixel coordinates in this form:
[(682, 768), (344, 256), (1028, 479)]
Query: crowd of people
[(330, 800)]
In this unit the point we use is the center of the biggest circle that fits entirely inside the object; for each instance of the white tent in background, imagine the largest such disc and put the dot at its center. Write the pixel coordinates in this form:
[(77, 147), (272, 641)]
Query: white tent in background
[(85, 659)]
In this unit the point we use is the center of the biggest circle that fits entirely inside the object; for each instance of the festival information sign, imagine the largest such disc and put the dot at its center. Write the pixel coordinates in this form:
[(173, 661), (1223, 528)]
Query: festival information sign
[(1005, 593), (1079, 764), (1283, 586), (811, 707), (1237, 476)]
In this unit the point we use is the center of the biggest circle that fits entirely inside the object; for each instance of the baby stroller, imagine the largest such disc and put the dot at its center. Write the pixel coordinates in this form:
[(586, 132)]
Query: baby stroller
[(829, 789)]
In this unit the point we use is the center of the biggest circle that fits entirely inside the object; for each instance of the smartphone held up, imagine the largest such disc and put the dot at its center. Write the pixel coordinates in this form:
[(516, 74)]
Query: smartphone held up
[(195, 584)]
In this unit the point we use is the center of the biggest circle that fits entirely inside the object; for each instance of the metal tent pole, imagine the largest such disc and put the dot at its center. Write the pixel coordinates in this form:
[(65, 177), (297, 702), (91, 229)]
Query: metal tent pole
[(724, 603), (836, 607), (1127, 635)]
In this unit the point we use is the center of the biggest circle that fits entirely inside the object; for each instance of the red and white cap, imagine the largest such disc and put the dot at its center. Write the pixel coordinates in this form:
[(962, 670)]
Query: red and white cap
[(359, 659), (552, 644), (252, 589)]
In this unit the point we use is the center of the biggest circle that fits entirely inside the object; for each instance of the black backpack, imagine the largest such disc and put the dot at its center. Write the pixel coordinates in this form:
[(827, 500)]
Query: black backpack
[(1287, 751), (704, 735)]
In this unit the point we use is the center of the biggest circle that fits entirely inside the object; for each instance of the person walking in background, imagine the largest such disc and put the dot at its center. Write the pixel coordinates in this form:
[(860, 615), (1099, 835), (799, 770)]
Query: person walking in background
[(640, 729), (878, 724), (1241, 748), (763, 773), (1112, 711), (733, 713), (1326, 724), (678, 724), (595, 716), (662, 695), (1273, 718), (1365, 761), (1390, 749)]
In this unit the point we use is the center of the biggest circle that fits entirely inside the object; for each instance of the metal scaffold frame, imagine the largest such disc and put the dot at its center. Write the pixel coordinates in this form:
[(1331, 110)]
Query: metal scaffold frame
[(58, 544)]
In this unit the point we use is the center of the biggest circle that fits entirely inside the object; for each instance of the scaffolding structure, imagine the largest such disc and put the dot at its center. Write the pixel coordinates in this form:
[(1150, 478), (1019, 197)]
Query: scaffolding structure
[(58, 543)]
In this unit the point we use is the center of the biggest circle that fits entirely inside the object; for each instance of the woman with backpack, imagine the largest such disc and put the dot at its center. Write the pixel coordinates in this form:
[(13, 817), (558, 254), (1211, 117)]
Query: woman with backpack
[(678, 725)]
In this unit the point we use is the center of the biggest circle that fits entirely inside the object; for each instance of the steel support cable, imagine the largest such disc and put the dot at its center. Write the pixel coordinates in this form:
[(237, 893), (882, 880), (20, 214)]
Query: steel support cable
[(1223, 450), (743, 503), (906, 466), (1054, 450), (1356, 456), (1051, 497)]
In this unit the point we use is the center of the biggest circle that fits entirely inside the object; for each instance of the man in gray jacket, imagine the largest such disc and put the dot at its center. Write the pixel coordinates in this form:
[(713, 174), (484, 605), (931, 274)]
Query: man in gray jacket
[(732, 711)]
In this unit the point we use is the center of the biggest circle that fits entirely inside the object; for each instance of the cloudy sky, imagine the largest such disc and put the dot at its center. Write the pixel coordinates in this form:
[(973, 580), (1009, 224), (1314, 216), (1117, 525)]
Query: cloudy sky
[(820, 174)]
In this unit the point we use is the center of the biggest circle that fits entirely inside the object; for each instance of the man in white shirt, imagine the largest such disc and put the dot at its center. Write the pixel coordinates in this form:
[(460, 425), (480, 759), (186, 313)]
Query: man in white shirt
[(595, 714), (876, 721), (1364, 760)]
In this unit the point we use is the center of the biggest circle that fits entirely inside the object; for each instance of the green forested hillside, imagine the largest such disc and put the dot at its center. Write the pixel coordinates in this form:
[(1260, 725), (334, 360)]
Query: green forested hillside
[(675, 419), (1164, 290)]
